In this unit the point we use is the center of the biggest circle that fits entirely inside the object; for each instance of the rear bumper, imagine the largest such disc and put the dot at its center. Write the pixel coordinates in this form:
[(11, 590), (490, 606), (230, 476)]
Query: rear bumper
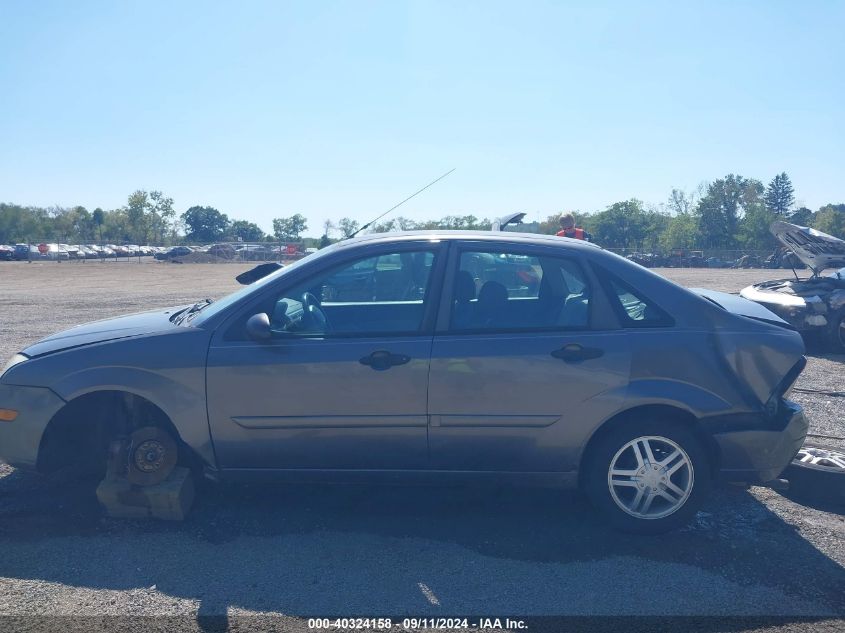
[(761, 455), (21, 438)]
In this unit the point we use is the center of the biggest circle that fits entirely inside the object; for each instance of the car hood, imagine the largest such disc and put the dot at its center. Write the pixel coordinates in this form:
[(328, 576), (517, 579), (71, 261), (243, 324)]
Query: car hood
[(816, 249), (741, 306), (106, 330)]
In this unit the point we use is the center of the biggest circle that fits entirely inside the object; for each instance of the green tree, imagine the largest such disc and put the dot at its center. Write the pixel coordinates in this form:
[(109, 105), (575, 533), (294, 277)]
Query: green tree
[(347, 227), (720, 210), (137, 208), (754, 230), (98, 217), (116, 227), (205, 224), (802, 216), (161, 216), (289, 229), (622, 225), (247, 231), (681, 232), (779, 195), (830, 219)]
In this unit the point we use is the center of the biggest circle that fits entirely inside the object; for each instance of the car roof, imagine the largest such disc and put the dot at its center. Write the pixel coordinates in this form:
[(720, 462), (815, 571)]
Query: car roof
[(485, 236)]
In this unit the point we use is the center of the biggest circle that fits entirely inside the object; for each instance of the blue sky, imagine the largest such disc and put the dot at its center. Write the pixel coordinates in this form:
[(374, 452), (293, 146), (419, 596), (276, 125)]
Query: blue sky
[(334, 109)]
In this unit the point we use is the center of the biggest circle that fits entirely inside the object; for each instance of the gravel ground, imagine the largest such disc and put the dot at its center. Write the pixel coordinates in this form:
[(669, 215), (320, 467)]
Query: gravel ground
[(295, 552)]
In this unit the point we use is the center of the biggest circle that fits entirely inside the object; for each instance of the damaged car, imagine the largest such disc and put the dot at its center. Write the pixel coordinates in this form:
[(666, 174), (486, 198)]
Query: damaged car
[(445, 363), (815, 306)]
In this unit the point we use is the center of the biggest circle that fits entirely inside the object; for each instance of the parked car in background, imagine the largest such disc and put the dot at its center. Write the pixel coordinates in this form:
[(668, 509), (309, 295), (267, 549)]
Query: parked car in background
[(24, 252), (259, 252), (6, 252), (815, 306), (226, 251), (637, 390), (715, 262), (72, 251), (88, 252), (649, 260), (55, 252), (176, 251)]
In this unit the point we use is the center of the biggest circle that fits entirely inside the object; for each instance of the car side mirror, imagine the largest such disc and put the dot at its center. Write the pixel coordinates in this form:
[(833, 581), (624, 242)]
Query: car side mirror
[(258, 327)]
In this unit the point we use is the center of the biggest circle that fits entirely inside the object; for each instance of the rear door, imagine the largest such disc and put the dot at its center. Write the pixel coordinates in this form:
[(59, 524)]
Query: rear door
[(517, 358)]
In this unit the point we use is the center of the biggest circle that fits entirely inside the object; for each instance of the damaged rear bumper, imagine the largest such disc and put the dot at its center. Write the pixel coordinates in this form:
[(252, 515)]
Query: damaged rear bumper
[(759, 455)]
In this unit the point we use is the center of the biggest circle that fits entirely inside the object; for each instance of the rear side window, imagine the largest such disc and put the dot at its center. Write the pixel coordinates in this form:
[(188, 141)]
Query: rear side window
[(511, 291), (633, 309)]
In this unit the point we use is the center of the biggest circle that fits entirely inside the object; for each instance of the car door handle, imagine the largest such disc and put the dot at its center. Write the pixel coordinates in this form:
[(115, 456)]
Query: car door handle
[(573, 353), (382, 359)]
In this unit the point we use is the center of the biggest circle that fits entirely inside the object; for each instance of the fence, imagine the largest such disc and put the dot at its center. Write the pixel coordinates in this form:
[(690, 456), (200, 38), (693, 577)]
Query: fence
[(246, 252), (222, 252), (700, 258)]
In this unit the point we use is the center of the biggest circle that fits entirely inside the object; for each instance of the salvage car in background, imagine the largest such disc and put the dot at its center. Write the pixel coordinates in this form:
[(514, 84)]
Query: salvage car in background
[(175, 252), (635, 389), (816, 305)]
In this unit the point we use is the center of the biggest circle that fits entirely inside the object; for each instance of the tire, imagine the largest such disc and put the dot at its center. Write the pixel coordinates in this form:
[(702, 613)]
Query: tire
[(836, 332), (684, 476), (823, 480)]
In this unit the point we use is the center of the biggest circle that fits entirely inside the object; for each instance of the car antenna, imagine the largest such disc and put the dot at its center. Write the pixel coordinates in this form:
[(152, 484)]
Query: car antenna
[(370, 223)]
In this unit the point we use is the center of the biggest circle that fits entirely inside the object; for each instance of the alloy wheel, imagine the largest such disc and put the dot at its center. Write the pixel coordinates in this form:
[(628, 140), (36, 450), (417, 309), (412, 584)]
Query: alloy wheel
[(650, 477), (817, 456)]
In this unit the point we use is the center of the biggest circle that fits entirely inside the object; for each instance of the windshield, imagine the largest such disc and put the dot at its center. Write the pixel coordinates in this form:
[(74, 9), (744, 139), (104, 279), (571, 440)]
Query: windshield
[(229, 300)]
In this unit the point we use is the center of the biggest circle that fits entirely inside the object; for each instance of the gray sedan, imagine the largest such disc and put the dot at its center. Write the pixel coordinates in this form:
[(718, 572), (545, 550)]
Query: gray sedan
[(457, 355)]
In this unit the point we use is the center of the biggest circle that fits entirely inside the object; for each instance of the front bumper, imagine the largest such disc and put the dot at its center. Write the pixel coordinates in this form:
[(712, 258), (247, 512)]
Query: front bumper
[(761, 455), (20, 439)]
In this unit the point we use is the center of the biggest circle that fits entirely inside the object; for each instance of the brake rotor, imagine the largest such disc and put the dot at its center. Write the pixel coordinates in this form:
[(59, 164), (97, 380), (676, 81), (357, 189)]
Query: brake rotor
[(152, 456)]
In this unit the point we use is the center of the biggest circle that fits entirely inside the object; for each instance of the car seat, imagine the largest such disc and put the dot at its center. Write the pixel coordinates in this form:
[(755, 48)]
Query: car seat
[(492, 305), (464, 294)]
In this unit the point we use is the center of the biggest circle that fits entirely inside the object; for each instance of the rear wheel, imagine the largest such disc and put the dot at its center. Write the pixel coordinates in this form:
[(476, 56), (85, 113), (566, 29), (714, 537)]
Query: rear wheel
[(648, 477)]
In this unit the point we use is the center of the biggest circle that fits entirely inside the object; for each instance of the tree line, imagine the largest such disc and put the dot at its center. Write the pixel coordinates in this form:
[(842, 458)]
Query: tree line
[(733, 212)]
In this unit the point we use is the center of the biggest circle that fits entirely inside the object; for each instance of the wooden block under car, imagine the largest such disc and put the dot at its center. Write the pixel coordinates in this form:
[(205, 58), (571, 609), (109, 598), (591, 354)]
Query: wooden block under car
[(170, 500)]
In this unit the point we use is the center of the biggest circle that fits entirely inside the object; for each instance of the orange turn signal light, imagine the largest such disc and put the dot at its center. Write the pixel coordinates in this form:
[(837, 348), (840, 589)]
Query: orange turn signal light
[(8, 415)]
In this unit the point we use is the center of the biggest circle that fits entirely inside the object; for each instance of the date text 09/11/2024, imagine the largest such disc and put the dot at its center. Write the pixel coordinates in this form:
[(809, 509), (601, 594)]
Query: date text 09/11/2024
[(411, 624)]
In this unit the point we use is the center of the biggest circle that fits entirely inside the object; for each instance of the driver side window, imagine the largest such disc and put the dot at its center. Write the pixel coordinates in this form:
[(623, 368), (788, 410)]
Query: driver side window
[(385, 293)]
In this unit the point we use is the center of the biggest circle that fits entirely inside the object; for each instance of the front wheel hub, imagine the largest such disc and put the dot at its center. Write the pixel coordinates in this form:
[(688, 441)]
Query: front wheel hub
[(152, 456)]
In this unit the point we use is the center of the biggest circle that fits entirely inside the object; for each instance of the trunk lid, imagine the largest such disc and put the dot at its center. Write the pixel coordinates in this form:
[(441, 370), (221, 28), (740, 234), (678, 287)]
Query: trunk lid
[(741, 306)]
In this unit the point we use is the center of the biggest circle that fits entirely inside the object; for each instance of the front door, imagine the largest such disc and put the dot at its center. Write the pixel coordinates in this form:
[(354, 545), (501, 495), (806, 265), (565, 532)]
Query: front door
[(343, 382), (513, 375)]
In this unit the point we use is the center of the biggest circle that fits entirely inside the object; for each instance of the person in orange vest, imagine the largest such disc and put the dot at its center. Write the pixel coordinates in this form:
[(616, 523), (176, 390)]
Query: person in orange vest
[(568, 229)]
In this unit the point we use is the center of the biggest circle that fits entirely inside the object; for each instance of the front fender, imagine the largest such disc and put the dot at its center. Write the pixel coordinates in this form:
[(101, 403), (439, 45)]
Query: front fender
[(181, 397)]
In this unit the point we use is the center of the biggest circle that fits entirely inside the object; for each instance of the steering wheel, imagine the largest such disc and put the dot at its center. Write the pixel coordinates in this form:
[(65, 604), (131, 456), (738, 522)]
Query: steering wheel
[(314, 315)]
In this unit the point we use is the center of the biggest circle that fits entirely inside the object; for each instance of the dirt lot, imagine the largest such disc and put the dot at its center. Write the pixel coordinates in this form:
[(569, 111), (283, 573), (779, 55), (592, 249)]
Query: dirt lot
[(304, 551)]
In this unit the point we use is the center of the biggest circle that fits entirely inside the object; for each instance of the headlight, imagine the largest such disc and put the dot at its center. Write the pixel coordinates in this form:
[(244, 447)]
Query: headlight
[(17, 358)]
